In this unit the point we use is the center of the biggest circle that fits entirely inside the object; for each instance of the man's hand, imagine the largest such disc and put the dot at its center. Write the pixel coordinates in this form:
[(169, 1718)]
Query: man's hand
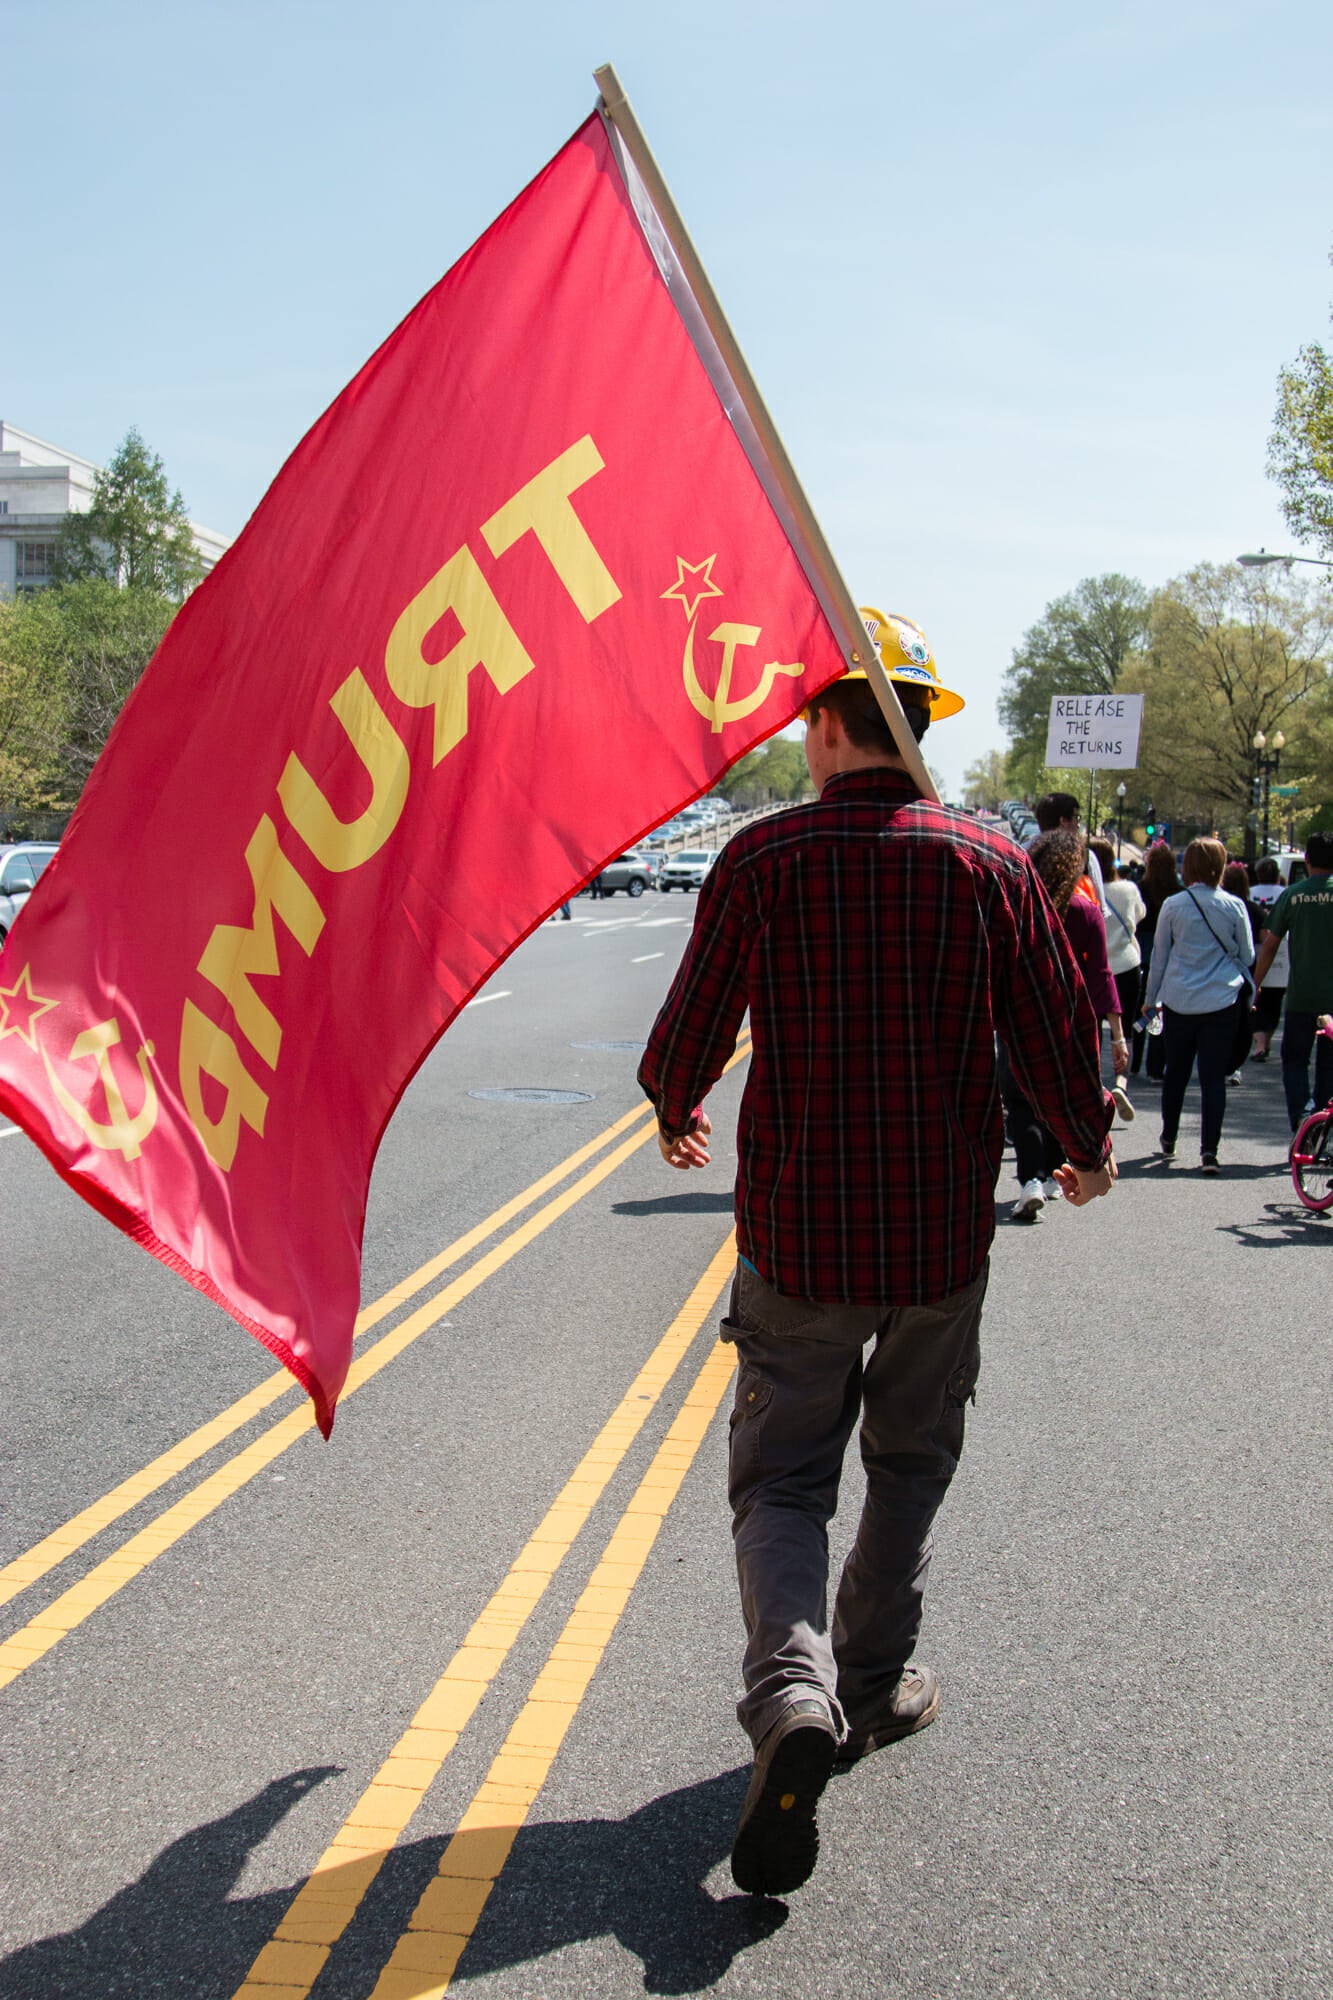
[(692, 1150), (1080, 1188), (1263, 958)]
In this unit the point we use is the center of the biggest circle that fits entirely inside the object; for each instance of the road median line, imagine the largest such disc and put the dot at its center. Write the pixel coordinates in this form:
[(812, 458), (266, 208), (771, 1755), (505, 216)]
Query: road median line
[(425, 1958), (57, 1547), (46, 1628), (33, 1640), (326, 1903)]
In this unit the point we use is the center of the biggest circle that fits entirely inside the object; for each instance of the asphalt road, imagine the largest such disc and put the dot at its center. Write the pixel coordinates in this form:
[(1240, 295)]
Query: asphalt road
[(285, 1703)]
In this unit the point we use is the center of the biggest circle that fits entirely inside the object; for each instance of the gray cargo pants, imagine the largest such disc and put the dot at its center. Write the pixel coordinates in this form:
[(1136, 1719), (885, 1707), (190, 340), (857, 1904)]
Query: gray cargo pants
[(801, 1384)]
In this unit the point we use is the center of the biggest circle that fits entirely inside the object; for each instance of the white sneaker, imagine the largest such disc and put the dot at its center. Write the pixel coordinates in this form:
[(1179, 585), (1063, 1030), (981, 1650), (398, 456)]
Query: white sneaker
[(1120, 1099), (1051, 1189), (1030, 1202)]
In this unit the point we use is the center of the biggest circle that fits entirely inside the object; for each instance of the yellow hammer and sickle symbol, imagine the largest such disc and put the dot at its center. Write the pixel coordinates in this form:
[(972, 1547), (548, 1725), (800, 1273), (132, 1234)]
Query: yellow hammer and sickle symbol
[(124, 1134), (719, 710)]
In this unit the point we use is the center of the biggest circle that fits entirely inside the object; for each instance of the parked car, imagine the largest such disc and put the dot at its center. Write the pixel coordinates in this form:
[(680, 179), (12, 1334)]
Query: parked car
[(633, 873), (670, 829), (20, 866), (687, 869)]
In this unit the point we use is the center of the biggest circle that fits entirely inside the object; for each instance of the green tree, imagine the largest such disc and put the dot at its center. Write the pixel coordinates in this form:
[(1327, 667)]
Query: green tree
[(1231, 652), (1079, 645), (31, 717), (1300, 450), (776, 770), (101, 639), (986, 782), (136, 533), (69, 659)]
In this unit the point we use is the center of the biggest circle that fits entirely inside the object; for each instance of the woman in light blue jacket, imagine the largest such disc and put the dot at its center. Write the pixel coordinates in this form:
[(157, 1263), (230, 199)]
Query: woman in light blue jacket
[(1201, 955)]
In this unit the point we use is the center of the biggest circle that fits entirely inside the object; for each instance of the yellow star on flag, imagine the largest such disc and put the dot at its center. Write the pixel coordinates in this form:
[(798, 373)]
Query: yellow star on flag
[(20, 1008), (693, 593)]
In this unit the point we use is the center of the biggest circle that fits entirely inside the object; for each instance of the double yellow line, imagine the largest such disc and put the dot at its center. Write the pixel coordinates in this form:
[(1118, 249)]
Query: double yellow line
[(45, 1630), (424, 1958)]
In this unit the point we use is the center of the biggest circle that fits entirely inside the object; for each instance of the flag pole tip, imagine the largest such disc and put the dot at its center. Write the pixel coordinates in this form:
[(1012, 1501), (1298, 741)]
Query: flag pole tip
[(604, 76)]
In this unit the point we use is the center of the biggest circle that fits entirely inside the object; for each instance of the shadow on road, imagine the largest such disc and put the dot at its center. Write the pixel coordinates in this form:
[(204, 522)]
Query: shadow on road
[(173, 1933), (1281, 1223), (179, 1933), (695, 1202), (639, 1880), (1185, 1167)]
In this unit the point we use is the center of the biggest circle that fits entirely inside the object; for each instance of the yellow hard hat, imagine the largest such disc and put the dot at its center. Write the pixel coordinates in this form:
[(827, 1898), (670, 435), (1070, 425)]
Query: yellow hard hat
[(905, 656)]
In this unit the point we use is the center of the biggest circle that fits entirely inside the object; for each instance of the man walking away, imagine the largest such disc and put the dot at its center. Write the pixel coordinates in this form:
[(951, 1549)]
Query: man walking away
[(879, 942), (1264, 892), (1304, 915), (1057, 812)]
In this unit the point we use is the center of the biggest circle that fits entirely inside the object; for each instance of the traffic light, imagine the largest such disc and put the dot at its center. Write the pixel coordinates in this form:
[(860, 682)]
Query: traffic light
[(1256, 790), (1150, 828)]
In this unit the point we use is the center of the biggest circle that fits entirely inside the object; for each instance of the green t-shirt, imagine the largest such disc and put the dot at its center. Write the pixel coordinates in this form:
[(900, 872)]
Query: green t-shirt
[(1304, 913)]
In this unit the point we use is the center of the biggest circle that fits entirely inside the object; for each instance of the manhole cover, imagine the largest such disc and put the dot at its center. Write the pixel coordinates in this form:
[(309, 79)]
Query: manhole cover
[(520, 1096), (615, 1048)]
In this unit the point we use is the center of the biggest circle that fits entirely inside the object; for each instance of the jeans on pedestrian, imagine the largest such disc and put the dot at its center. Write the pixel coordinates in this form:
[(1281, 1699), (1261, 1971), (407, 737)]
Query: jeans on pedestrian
[(1242, 1034), (802, 1381), (1207, 1037), (1129, 986), (1037, 1152), (1298, 1038)]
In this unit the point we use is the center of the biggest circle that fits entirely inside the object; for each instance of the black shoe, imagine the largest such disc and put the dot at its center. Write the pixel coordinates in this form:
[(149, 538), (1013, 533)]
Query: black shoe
[(777, 1837), (1208, 1164), (1167, 1148), (914, 1704)]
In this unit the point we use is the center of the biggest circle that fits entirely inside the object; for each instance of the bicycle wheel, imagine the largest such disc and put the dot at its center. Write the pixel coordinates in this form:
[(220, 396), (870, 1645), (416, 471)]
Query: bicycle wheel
[(1312, 1161)]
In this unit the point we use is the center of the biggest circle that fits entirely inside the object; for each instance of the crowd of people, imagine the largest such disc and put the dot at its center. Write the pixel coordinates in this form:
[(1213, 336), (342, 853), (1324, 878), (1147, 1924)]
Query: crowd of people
[(1188, 968)]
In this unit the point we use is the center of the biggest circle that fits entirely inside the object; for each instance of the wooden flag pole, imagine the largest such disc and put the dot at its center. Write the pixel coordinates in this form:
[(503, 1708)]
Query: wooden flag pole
[(816, 556)]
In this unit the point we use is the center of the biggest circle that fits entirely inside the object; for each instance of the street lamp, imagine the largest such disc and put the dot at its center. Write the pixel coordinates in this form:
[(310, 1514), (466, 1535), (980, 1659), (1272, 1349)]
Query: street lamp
[(1260, 559), (1119, 816), (1266, 769)]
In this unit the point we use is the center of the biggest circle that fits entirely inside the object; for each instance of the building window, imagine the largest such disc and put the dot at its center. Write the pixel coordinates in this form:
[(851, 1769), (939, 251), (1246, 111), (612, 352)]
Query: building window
[(4, 506), (34, 565)]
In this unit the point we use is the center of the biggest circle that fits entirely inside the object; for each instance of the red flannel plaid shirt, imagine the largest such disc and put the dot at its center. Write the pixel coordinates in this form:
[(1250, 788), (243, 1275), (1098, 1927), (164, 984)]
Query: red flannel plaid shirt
[(880, 943)]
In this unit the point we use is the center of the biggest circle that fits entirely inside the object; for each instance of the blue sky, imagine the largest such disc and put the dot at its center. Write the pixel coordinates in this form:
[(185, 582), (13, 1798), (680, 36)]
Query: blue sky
[(1015, 282)]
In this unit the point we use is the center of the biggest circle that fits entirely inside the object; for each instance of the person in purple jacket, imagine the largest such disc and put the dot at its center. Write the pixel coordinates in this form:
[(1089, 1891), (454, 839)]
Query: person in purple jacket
[(1059, 859)]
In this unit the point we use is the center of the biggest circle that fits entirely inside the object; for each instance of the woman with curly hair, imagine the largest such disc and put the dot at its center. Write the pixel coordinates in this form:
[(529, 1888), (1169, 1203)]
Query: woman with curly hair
[(1060, 859)]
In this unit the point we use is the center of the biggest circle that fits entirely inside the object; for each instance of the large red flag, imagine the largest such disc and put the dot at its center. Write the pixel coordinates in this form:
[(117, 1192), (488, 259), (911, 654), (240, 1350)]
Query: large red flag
[(516, 596)]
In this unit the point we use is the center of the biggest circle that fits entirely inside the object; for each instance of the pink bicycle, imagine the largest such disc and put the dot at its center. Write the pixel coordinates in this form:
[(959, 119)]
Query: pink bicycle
[(1312, 1148)]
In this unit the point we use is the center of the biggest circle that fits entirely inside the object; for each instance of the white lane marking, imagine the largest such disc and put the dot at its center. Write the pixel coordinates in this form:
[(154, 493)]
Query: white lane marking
[(482, 998), (10, 1131), (646, 956), (656, 923)]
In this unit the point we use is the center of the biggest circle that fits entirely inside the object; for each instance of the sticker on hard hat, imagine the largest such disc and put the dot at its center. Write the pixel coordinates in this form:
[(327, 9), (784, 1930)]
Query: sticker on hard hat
[(906, 673), (912, 641)]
